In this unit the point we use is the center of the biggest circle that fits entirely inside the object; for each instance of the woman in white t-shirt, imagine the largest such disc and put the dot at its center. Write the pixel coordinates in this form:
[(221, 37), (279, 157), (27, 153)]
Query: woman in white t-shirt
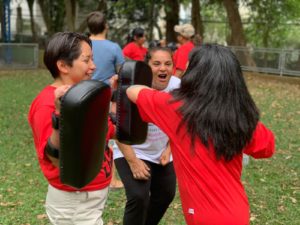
[(147, 169)]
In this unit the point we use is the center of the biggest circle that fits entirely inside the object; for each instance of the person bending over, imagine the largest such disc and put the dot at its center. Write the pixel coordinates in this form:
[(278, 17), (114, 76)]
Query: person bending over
[(147, 169), (211, 120)]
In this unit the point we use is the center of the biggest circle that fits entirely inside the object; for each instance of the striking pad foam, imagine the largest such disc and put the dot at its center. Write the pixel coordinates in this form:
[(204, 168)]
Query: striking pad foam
[(83, 128), (131, 129)]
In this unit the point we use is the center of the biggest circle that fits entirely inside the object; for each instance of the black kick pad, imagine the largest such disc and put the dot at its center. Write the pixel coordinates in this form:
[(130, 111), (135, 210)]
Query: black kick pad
[(131, 129), (83, 128)]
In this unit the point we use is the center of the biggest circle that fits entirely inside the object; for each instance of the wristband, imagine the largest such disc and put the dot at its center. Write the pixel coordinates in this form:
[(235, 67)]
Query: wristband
[(113, 118), (51, 150), (55, 121)]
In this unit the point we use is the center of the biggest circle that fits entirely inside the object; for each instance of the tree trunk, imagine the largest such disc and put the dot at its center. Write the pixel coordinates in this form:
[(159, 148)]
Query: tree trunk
[(2, 22), (53, 12), (151, 20), (19, 21), (44, 10), (70, 6), (196, 17), (172, 19), (32, 22), (237, 37)]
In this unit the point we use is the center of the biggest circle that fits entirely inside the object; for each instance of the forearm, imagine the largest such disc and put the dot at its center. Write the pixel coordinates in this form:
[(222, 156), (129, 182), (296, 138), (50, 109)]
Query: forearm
[(127, 151), (134, 90)]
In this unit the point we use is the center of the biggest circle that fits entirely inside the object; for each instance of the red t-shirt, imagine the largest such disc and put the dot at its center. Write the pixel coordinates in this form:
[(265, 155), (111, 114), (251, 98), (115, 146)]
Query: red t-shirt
[(134, 52), (181, 56), (39, 118), (211, 190)]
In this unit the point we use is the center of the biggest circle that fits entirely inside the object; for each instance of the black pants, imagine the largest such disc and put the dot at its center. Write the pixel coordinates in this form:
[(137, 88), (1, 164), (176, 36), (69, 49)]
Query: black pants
[(147, 200)]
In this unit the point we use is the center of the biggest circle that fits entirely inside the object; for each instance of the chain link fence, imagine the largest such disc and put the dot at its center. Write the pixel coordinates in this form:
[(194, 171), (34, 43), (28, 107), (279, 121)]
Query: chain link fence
[(19, 56), (267, 60)]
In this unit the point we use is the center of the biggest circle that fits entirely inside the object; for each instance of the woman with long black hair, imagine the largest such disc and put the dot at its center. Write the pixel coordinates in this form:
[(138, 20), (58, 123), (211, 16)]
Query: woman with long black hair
[(211, 120)]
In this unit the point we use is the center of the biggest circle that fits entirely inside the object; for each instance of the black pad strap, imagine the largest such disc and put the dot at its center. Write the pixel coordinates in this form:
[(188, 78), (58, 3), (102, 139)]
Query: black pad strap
[(51, 150)]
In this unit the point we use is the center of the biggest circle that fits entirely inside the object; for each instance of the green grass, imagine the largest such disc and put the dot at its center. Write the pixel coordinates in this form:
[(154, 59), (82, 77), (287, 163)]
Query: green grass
[(272, 185)]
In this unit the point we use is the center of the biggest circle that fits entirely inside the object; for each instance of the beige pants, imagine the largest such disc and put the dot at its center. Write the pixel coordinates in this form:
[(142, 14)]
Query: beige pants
[(75, 208)]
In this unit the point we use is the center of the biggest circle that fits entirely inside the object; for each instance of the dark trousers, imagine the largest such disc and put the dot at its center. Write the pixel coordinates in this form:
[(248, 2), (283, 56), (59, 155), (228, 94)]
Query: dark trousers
[(147, 200)]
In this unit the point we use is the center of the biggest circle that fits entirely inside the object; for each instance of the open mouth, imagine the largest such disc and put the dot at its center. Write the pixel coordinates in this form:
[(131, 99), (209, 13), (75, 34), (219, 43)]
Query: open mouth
[(162, 76)]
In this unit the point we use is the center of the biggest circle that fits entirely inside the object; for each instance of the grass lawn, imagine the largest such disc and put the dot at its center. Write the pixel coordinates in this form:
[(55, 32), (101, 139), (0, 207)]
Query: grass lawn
[(272, 185)]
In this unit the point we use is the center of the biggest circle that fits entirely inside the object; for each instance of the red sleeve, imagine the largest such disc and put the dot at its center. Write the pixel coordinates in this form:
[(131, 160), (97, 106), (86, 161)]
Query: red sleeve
[(40, 122), (262, 144), (154, 106), (145, 103)]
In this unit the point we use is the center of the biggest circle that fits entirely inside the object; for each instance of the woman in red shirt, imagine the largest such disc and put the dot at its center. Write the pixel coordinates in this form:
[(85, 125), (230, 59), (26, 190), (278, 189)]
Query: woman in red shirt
[(211, 120), (69, 58), (134, 49)]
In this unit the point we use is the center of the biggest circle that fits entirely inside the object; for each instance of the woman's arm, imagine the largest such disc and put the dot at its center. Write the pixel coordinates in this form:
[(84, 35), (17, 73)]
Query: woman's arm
[(134, 90)]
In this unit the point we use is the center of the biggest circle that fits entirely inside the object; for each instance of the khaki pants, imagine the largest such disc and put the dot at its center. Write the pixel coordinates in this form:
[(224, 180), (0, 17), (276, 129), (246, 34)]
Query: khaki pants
[(75, 208)]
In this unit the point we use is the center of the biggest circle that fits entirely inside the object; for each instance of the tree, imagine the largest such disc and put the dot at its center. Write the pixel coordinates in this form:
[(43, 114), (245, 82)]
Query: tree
[(196, 17), (172, 18), (237, 36), (70, 6), (269, 23), (32, 23), (53, 14)]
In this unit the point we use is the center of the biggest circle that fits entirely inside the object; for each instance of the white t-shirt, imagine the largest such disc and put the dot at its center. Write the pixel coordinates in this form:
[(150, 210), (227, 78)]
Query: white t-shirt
[(156, 141)]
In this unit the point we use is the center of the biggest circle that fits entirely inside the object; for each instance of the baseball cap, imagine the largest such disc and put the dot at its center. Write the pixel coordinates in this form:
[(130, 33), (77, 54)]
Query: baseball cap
[(186, 30)]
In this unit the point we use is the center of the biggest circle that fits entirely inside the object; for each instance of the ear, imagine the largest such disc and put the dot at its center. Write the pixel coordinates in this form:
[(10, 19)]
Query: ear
[(63, 68)]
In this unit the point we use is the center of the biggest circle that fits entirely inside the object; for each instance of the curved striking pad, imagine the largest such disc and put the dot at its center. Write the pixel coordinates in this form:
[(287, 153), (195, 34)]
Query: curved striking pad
[(131, 129), (83, 128)]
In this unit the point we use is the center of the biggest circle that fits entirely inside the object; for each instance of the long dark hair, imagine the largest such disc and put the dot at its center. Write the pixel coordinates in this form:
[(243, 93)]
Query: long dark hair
[(217, 106)]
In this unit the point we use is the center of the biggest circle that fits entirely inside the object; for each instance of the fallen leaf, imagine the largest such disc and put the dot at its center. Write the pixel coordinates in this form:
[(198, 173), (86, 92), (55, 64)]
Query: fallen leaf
[(41, 216)]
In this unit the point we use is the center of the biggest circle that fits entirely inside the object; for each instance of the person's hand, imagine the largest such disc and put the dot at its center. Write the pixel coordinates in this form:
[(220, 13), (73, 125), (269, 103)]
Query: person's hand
[(139, 169), (165, 156), (58, 93), (114, 82)]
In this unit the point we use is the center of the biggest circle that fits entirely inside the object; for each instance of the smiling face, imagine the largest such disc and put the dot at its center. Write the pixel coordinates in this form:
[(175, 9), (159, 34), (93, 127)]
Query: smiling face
[(161, 64), (82, 68)]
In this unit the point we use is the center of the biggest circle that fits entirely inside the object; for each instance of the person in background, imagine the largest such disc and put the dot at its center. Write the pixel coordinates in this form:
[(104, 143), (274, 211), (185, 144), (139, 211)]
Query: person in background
[(185, 33), (134, 49), (147, 169), (108, 58), (69, 58), (211, 120)]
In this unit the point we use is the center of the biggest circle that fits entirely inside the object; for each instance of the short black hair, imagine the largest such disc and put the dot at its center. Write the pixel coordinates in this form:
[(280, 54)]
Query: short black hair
[(96, 22), (64, 46)]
